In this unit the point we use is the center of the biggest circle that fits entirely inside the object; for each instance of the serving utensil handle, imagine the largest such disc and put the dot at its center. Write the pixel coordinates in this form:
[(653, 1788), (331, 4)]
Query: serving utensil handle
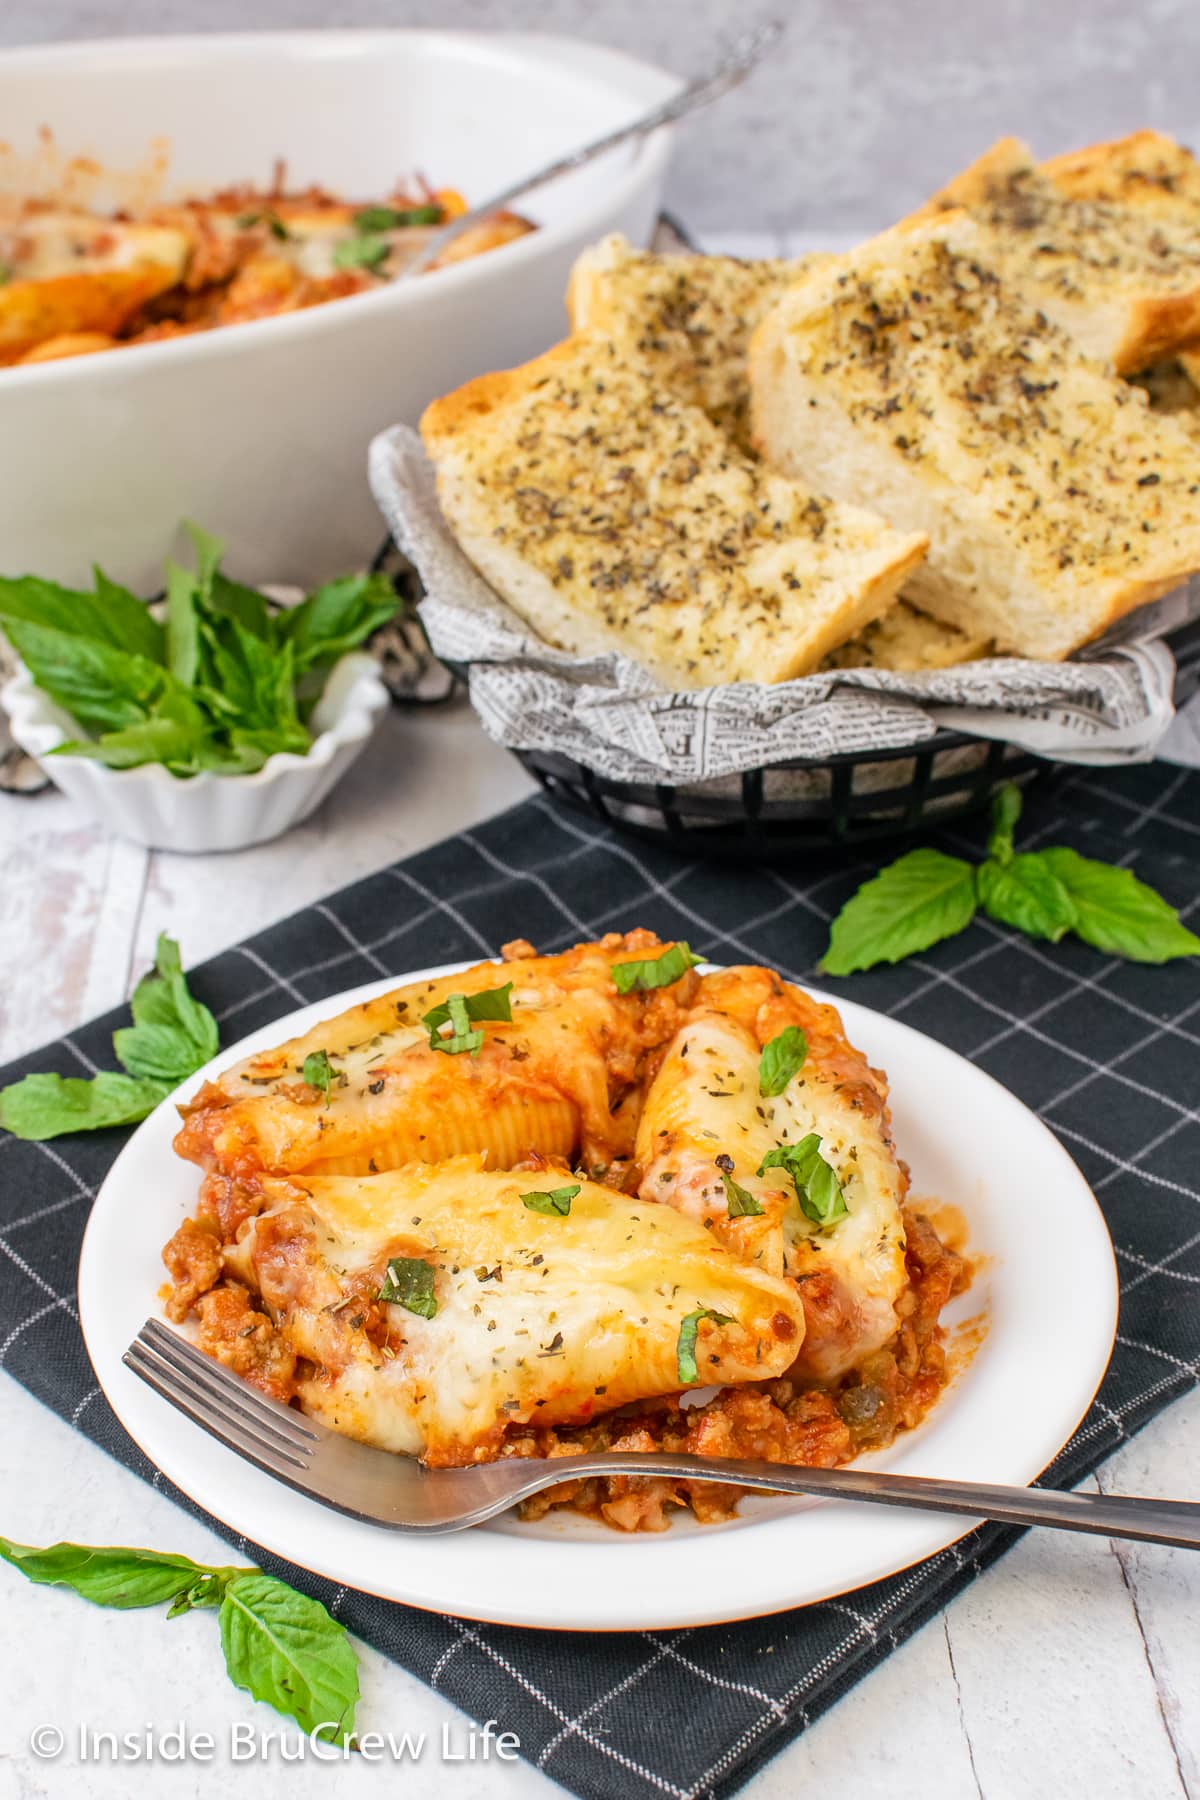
[(733, 67)]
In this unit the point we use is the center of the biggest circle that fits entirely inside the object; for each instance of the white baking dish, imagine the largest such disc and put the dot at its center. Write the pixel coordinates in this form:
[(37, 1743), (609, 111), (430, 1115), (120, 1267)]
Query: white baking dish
[(260, 431)]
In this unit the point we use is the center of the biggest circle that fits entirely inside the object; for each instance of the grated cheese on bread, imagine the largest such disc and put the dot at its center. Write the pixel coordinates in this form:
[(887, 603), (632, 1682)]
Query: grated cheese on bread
[(687, 319), (908, 640), (612, 516), (1124, 281), (917, 378)]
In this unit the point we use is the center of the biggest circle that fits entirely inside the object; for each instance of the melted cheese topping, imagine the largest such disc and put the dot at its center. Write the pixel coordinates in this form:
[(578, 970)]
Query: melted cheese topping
[(705, 1103), (546, 1319), (547, 1081)]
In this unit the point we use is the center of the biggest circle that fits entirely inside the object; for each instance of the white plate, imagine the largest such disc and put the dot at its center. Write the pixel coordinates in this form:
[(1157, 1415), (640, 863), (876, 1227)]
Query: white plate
[(968, 1142)]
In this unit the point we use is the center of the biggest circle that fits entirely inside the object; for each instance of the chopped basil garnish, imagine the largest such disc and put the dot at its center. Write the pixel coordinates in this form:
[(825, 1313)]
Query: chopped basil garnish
[(364, 252), (409, 1283), (654, 971), (739, 1200), (5, 273), (318, 1072), (817, 1187), (395, 218), (554, 1202), (458, 1011), (782, 1058), (271, 220), (685, 1349)]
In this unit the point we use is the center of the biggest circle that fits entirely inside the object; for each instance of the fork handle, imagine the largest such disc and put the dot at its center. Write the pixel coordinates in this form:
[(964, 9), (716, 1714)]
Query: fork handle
[(1151, 1521)]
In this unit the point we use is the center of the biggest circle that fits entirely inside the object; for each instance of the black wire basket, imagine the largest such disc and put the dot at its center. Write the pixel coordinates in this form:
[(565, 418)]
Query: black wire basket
[(797, 807), (772, 814)]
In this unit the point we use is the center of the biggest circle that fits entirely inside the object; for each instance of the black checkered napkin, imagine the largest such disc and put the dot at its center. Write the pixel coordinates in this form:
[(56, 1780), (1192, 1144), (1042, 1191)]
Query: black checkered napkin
[(1106, 1052)]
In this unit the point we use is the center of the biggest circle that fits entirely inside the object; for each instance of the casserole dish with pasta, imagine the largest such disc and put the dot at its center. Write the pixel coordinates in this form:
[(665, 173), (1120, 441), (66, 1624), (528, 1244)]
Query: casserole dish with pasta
[(570, 1202)]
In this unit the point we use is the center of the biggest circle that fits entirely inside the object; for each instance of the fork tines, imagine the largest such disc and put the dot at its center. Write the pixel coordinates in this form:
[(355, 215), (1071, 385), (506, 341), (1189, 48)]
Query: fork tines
[(274, 1436)]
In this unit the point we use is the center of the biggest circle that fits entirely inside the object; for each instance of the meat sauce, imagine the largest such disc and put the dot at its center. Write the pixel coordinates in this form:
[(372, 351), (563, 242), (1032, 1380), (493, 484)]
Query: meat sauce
[(790, 1420)]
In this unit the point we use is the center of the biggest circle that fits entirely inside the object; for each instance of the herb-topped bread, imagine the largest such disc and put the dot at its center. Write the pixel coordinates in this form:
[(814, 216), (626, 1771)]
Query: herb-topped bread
[(1123, 280), (908, 640), (1146, 169), (687, 319), (612, 516), (918, 378)]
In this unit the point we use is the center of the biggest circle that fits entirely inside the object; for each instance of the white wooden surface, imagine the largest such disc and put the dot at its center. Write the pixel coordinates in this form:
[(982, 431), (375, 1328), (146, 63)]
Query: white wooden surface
[(1071, 1670)]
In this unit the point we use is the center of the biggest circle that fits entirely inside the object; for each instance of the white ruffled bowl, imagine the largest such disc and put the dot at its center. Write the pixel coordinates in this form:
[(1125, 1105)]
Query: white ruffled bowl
[(207, 812)]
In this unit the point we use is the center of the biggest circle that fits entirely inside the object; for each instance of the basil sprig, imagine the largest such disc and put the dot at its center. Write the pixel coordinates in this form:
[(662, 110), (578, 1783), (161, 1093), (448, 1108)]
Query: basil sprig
[(817, 1187), (459, 1011), (223, 684), (172, 1036), (409, 1283), (926, 896), (654, 971), (739, 1200), (554, 1202), (280, 1646), (685, 1348), (781, 1059), (366, 251)]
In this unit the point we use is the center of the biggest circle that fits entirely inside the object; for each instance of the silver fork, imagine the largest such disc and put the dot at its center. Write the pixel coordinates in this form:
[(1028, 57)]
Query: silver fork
[(398, 1492)]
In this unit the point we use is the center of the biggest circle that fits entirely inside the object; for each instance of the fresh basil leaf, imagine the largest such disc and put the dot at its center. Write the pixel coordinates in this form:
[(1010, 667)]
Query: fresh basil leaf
[(818, 1189), (157, 1053), (230, 759), (459, 1010), (284, 1648), (739, 1201), (318, 1072), (103, 689), (47, 1106), (551, 1201), (207, 1590), (781, 1059), (1026, 893), (111, 615), (183, 625), (191, 1014), (915, 902), (106, 1575), (230, 599), (1117, 913), (1006, 810), (132, 624), (409, 1283), (336, 618), (209, 550), (685, 1347), (366, 251), (654, 971), (154, 740), (394, 218)]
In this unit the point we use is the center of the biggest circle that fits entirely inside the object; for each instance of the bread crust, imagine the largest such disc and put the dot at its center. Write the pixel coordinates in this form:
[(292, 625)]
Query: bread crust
[(1146, 169), (1124, 281)]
